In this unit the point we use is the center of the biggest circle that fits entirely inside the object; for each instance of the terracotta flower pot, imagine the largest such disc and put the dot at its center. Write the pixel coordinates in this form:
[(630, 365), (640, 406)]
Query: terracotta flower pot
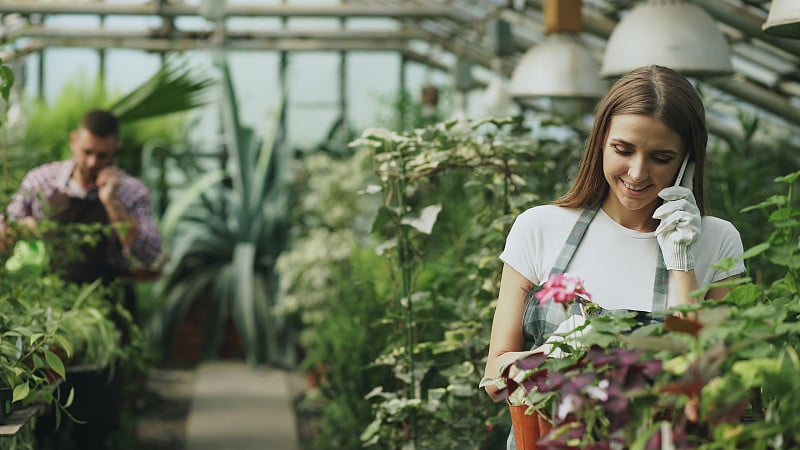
[(528, 429)]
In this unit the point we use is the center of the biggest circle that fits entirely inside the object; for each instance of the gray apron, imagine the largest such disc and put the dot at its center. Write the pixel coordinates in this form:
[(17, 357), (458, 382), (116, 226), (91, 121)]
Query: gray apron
[(541, 320)]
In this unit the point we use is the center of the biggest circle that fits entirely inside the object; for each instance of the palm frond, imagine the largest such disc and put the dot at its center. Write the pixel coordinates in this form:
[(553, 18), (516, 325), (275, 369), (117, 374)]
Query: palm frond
[(174, 88)]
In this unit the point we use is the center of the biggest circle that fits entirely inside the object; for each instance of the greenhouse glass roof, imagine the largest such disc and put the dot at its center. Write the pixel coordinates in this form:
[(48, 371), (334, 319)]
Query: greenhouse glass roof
[(435, 33)]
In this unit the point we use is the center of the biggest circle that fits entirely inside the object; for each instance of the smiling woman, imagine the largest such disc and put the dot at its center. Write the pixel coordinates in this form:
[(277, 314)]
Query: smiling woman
[(640, 158), (638, 242)]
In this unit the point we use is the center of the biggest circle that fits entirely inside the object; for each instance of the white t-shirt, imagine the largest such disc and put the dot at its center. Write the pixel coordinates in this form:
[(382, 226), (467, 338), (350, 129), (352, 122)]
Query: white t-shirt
[(617, 264)]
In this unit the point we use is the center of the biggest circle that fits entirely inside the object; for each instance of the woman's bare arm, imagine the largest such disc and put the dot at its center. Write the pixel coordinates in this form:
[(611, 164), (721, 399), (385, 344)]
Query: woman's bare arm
[(507, 342)]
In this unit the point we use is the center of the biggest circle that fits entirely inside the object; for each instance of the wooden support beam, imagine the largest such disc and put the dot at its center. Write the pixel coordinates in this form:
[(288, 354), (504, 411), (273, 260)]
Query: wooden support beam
[(562, 16)]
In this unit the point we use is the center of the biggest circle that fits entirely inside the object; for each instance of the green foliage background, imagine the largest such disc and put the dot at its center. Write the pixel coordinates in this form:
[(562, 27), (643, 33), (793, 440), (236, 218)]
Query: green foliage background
[(424, 374)]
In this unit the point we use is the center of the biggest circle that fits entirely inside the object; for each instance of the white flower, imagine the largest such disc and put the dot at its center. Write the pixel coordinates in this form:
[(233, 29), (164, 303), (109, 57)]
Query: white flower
[(599, 392), (568, 404)]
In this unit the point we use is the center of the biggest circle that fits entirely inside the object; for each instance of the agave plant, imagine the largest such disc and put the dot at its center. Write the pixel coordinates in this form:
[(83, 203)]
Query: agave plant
[(225, 237)]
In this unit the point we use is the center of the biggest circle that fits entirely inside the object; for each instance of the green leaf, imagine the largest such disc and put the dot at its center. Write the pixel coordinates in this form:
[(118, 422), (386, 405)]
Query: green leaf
[(264, 170), (752, 371), (370, 435), (6, 81), (712, 317), (384, 218), (64, 343), (178, 207), (792, 328), (785, 256), (55, 363), (70, 398), (425, 221), (21, 392), (174, 87), (655, 343), (744, 295), (775, 200), (788, 178), (640, 443), (243, 265), (86, 292), (756, 250)]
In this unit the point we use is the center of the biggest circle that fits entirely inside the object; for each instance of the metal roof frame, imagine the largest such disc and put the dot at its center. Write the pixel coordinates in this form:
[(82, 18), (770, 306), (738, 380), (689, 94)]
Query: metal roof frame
[(767, 78)]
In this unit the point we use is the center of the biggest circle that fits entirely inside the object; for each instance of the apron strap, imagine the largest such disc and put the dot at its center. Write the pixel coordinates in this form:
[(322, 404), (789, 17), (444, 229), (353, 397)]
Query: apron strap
[(573, 241), (660, 286)]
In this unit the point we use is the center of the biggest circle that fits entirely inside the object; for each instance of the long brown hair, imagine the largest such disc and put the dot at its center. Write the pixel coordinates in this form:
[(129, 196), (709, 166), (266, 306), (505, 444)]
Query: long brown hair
[(654, 91)]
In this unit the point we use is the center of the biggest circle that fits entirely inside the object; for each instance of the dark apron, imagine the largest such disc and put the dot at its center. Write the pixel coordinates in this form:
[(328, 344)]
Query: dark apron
[(97, 390), (85, 262)]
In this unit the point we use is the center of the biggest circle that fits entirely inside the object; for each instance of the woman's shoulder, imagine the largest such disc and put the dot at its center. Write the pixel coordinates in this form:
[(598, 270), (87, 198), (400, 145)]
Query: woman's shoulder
[(712, 224), (549, 214)]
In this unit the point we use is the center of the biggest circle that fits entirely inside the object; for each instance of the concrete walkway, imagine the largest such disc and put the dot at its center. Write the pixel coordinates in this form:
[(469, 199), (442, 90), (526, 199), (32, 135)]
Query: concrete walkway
[(239, 407)]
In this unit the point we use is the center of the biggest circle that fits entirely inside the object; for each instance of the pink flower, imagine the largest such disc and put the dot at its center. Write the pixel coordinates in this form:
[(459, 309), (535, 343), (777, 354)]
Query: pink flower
[(562, 288)]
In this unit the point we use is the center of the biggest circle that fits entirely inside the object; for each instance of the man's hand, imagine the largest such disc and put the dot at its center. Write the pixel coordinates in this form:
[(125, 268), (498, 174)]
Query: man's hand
[(107, 182), (126, 228)]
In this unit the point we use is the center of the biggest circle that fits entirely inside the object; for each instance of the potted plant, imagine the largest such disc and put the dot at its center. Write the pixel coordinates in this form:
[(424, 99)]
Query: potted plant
[(523, 384), (226, 231)]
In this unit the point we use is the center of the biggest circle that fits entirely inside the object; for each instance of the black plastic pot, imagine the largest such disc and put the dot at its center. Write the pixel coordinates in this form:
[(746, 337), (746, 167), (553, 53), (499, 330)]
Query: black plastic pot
[(6, 394)]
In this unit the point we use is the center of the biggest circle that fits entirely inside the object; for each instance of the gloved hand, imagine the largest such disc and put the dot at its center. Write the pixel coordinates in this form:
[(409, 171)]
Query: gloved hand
[(679, 227)]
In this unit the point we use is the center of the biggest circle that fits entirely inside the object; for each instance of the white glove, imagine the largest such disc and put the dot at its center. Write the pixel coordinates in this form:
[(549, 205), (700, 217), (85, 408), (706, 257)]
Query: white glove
[(679, 227)]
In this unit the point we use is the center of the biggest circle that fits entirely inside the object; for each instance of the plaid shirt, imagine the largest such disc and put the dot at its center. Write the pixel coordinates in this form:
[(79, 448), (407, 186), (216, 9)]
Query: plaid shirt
[(43, 181)]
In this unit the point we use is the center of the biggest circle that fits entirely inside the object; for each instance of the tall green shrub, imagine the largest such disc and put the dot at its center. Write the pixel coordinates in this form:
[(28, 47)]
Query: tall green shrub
[(450, 192), (740, 174), (334, 288)]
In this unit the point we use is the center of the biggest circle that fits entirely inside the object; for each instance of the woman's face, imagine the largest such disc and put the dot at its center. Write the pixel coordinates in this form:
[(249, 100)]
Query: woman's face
[(641, 156)]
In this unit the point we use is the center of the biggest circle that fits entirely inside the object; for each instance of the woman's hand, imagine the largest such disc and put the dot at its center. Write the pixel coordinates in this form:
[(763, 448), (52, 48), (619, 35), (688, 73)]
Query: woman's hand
[(504, 360), (679, 227)]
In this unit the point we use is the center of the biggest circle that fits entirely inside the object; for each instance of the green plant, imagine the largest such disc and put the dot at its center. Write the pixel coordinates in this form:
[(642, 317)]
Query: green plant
[(47, 325), (6, 82), (739, 174), (226, 244), (450, 192), (334, 289), (409, 113)]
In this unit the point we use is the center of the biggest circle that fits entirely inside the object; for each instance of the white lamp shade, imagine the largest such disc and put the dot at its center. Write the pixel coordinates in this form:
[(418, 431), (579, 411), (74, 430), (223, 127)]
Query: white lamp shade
[(783, 19), (558, 67), (671, 33)]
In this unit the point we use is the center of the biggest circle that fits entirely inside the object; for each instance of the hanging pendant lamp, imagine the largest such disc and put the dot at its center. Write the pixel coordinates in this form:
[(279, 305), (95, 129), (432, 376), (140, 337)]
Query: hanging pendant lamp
[(671, 33), (783, 19), (560, 66)]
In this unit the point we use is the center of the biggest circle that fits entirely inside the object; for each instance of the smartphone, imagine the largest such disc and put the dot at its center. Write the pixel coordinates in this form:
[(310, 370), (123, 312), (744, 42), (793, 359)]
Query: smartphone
[(685, 174)]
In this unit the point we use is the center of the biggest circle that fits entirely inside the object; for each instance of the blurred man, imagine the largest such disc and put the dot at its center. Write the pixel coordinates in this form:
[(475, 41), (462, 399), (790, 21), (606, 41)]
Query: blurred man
[(89, 189)]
